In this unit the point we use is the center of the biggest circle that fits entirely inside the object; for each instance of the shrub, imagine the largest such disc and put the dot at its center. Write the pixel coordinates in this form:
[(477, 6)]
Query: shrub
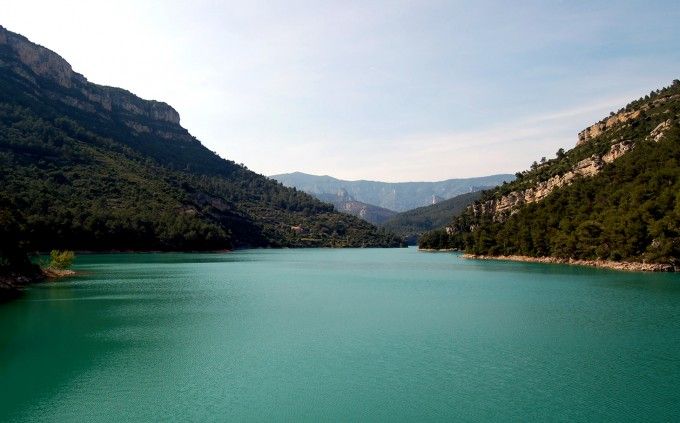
[(61, 259)]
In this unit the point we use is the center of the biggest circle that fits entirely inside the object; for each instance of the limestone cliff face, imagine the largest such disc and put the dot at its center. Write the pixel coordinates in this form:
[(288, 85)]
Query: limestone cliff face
[(600, 127), (617, 119), (41, 66), (585, 168), (588, 167)]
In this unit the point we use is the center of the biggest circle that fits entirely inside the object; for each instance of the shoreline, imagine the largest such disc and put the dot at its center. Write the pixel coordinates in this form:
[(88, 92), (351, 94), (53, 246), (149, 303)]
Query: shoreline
[(630, 266), (57, 273), (440, 250), (13, 284)]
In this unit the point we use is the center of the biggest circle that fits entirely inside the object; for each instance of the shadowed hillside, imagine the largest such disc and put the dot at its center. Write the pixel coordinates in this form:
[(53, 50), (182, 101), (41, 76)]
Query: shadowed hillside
[(92, 167)]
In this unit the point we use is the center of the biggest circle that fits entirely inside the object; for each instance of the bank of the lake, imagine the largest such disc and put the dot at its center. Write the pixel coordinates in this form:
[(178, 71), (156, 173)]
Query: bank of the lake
[(607, 264), (12, 283), (341, 335)]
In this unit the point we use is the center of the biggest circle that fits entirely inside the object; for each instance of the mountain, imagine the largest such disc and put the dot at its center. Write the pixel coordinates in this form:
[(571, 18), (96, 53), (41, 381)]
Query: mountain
[(411, 224), (345, 203), (397, 196), (615, 196), (91, 167)]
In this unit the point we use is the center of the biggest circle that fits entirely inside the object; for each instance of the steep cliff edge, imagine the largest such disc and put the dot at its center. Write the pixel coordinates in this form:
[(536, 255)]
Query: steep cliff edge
[(51, 67), (615, 196)]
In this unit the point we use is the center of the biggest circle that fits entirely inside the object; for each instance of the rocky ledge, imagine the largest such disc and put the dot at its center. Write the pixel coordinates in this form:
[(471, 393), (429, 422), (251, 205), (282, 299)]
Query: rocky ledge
[(608, 264), (34, 62), (585, 168)]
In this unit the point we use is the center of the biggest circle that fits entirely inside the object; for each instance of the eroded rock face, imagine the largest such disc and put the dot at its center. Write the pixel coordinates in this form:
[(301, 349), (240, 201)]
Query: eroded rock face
[(658, 133), (585, 168), (620, 118), (600, 127), (45, 63)]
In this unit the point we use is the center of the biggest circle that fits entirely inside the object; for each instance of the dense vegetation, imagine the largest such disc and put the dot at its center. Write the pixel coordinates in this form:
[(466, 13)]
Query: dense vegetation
[(630, 211), (13, 248), (82, 177), (411, 224), (15, 267)]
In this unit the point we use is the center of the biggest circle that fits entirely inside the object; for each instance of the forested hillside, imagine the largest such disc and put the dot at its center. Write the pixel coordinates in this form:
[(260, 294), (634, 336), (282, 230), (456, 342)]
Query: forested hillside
[(411, 224), (91, 167), (615, 196)]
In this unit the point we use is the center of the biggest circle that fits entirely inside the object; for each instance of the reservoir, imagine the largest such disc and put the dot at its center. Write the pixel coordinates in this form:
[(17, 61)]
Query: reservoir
[(340, 335)]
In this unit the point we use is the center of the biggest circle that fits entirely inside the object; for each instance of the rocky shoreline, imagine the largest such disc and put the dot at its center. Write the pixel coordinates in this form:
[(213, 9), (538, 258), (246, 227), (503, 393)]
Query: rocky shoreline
[(435, 250), (607, 264), (12, 284)]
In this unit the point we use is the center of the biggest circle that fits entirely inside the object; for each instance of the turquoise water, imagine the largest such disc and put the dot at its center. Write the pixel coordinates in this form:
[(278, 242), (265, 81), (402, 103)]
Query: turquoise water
[(341, 335)]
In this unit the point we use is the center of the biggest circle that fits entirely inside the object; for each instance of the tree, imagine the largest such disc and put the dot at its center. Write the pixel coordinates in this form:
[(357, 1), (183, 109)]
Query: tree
[(61, 260)]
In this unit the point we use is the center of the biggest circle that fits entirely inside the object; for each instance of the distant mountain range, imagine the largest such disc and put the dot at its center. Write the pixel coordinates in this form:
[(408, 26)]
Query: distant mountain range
[(396, 196), (345, 203)]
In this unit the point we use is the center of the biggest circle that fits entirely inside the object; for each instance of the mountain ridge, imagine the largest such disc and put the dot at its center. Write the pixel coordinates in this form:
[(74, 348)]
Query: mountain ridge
[(397, 196), (91, 167)]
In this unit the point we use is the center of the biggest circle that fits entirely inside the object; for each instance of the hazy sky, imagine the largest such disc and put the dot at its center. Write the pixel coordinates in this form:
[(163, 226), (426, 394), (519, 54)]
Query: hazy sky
[(387, 90)]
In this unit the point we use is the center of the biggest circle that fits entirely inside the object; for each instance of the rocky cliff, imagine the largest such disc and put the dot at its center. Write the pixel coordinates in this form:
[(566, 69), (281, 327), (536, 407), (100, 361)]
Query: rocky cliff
[(47, 71), (587, 167), (614, 197), (620, 118)]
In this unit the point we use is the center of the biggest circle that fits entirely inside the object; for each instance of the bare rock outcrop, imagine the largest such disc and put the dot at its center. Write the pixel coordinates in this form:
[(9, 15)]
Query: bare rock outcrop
[(585, 168), (620, 118), (602, 126), (82, 94), (658, 133)]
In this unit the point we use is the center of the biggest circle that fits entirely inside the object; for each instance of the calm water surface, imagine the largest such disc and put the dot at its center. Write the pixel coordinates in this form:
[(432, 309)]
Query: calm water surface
[(342, 335)]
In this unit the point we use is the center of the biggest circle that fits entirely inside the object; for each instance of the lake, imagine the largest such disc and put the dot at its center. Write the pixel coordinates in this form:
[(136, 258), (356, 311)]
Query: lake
[(341, 335)]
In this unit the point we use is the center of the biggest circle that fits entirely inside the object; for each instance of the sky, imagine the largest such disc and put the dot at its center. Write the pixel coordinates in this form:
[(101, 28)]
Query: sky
[(380, 90)]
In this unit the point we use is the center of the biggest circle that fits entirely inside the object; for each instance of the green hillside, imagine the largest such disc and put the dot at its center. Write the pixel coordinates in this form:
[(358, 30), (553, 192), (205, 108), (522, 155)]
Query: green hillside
[(91, 167), (628, 211), (411, 224)]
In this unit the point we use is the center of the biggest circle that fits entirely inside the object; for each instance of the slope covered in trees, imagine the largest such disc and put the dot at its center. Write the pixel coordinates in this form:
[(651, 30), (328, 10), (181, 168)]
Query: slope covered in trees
[(411, 224), (628, 210), (96, 168)]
